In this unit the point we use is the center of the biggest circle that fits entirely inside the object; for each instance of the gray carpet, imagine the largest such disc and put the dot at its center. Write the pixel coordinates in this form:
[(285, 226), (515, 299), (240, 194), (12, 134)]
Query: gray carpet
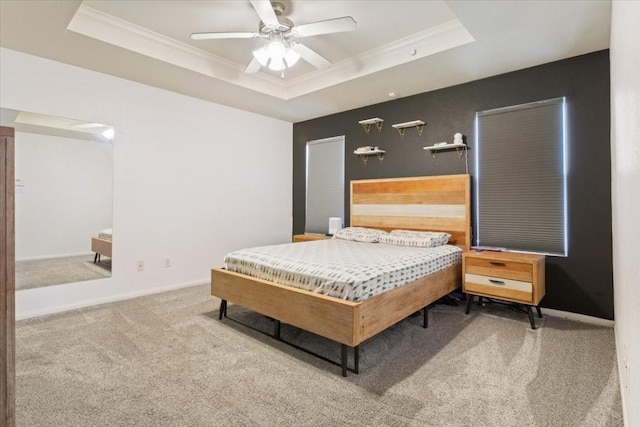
[(166, 360), (55, 271)]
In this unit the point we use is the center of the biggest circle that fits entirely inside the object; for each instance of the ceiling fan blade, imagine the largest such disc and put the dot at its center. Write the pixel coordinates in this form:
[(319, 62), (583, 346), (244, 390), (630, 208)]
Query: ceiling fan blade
[(264, 9), (253, 67), (211, 36), (337, 25), (311, 56)]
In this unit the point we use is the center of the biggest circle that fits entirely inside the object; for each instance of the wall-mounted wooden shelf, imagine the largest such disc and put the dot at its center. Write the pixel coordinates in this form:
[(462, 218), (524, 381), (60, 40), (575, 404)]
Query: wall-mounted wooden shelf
[(366, 124), (402, 127), (364, 154), (433, 149)]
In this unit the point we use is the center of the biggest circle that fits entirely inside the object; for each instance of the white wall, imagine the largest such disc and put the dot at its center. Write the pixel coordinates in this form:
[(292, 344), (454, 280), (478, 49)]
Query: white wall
[(192, 179), (67, 194), (625, 158)]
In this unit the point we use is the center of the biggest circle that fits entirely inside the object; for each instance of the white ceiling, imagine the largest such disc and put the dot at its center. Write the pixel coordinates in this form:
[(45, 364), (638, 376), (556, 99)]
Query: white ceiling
[(405, 47)]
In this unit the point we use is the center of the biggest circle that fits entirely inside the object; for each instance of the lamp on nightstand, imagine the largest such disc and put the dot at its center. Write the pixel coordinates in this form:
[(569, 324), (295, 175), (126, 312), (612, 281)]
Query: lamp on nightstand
[(335, 224)]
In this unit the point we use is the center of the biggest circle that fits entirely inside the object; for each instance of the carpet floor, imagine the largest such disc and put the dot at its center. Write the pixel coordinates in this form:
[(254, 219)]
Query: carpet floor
[(166, 360), (55, 271)]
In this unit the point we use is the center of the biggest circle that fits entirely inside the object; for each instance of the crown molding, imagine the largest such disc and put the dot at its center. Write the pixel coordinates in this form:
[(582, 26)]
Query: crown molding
[(96, 24), (445, 36), (110, 29)]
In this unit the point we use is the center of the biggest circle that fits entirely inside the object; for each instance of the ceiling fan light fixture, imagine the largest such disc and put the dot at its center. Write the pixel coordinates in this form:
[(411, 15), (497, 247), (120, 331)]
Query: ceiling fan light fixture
[(280, 53), (277, 56), (276, 50), (262, 56), (291, 57), (277, 64)]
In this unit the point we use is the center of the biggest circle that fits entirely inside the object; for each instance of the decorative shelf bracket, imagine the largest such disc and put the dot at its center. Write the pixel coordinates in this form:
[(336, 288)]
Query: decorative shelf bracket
[(433, 149), (364, 156), (402, 127), (366, 124)]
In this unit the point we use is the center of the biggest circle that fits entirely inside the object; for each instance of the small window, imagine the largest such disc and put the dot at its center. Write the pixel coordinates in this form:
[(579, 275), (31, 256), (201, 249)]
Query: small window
[(325, 183), (521, 179)]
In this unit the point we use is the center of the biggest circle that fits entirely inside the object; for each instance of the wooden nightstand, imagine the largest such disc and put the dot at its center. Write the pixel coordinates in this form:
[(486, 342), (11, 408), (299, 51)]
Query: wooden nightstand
[(297, 238), (508, 276)]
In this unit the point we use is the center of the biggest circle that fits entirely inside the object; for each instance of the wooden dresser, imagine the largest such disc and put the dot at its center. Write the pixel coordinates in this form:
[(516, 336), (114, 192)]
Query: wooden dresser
[(507, 276)]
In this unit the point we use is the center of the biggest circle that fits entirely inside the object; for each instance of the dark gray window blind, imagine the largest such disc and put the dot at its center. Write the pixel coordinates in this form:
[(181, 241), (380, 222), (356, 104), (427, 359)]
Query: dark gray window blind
[(520, 182), (325, 183)]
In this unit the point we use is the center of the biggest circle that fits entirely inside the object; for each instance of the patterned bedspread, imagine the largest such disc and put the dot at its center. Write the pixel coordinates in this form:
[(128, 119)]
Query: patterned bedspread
[(344, 269), (106, 234)]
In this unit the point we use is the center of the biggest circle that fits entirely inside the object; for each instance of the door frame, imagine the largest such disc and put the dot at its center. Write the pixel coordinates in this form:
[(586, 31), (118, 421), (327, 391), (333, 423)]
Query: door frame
[(7, 277)]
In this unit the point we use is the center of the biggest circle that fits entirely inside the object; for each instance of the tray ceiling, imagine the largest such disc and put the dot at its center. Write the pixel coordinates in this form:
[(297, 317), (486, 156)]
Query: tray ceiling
[(401, 47)]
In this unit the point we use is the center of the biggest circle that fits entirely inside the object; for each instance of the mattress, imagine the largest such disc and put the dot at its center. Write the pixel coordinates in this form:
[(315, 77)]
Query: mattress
[(106, 234), (344, 269)]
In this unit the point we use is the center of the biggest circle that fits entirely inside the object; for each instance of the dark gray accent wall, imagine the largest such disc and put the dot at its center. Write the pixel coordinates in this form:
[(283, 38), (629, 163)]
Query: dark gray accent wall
[(580, 283)]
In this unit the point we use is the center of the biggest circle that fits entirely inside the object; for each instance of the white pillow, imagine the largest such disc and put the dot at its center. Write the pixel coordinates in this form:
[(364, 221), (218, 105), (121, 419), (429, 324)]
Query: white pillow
[(360, 234), (422, 239)]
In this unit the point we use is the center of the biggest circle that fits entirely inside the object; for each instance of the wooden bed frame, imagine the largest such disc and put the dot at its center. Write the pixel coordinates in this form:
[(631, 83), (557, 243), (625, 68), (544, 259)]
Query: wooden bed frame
[(100, 247), (436, 203)]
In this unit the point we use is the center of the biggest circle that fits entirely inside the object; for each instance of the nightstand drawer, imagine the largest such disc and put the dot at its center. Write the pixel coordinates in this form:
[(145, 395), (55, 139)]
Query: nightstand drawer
[(506, 269), (499, 287)]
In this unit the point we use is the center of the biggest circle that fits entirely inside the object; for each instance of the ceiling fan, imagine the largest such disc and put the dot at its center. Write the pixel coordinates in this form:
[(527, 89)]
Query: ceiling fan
[(281, 51)]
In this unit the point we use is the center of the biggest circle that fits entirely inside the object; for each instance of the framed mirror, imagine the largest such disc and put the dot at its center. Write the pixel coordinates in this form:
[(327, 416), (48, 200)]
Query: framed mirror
[(63, 199)]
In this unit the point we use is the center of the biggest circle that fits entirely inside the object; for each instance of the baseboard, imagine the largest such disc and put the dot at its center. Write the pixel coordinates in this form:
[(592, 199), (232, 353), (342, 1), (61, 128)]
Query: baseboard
[(109, 299), (42, 257), (578, 317), (113, 298)]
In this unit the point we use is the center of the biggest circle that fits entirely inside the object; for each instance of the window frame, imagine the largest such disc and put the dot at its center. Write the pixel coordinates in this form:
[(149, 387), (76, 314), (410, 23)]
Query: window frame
[(335, 173), (557, 198)]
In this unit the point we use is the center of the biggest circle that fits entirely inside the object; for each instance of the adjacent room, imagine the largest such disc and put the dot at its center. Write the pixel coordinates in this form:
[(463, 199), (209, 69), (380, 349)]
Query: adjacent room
[(67, 217), (326, 212)]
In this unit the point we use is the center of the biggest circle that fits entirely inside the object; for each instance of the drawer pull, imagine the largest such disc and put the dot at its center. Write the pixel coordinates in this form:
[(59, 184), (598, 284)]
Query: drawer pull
[(497, 282), (497, 264)]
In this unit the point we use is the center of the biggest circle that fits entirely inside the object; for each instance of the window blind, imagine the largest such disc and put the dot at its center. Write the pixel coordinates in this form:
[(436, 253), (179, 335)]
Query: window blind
[(520, 188), (325, 183)]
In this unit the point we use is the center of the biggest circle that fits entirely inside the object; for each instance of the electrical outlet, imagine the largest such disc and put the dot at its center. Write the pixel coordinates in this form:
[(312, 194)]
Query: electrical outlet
[(167, 262), (140, 265)]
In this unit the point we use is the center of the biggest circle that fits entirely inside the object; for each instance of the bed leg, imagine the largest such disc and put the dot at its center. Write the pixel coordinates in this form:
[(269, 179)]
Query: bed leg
[(356, 359), (223, 309), (276, 329), (95, 258), (425, 319), (469, 302), (344, 360), (530, 313)]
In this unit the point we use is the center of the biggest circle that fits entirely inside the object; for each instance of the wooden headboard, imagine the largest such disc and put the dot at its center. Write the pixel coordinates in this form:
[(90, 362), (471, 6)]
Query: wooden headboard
[(427, 203)]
